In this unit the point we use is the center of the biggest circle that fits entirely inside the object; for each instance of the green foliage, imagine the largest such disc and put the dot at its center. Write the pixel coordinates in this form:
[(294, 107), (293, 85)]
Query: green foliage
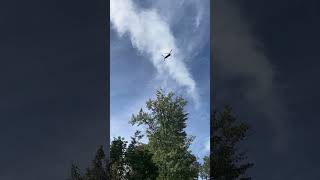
[(227, 161), (204, 170), (165, 123), (117, 158), (133, 162), (167, 155), (139, 161)]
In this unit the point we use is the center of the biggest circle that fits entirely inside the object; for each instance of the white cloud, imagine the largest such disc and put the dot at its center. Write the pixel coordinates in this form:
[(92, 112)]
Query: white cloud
[(191, 21), (207, 145), (199, 15), (152, 36)]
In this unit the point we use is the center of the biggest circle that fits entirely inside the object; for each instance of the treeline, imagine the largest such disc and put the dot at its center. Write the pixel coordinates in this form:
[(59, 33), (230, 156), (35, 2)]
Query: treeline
[(166, 156)]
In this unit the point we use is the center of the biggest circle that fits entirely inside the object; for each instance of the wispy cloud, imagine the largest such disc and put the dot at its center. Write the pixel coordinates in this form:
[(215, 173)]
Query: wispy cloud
[(191, 20), (199, 15), (151, 36), (140, 67)]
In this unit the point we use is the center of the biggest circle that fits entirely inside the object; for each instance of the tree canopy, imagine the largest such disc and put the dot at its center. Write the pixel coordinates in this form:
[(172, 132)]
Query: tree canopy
[(168, 141), (166, 155)]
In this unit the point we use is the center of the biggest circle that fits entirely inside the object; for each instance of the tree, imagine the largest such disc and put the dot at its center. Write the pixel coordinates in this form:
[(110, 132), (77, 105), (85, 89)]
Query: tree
[(97, 171), (227, 161), (98, 167), (117, 158), (139, 160), (75, 173), (165, 123), (133, 162), (204, 170)]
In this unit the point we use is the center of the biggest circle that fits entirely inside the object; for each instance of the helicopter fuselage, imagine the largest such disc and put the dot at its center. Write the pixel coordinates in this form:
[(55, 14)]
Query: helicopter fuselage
[(167, 56)]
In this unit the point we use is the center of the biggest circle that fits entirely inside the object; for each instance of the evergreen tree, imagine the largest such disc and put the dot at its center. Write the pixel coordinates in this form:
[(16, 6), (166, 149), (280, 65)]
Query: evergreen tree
[(168, 141), (75, 173), (98, 167), (227, 161)]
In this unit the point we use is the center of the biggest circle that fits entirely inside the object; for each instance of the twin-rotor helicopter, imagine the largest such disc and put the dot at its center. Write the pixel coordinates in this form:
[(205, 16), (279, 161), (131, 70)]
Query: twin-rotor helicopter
[(166, 56)]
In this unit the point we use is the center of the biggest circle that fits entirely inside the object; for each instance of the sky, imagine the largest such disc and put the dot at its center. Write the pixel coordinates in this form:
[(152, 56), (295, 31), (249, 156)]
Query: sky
[(54, 80), (141, 31), (267, 64)]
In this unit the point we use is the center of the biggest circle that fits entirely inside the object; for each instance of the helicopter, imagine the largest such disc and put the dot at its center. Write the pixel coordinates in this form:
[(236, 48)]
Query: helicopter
[(166, 56)]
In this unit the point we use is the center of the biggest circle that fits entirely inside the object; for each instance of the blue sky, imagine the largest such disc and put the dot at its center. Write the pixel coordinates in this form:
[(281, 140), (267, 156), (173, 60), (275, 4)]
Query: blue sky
[(140, 32)]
